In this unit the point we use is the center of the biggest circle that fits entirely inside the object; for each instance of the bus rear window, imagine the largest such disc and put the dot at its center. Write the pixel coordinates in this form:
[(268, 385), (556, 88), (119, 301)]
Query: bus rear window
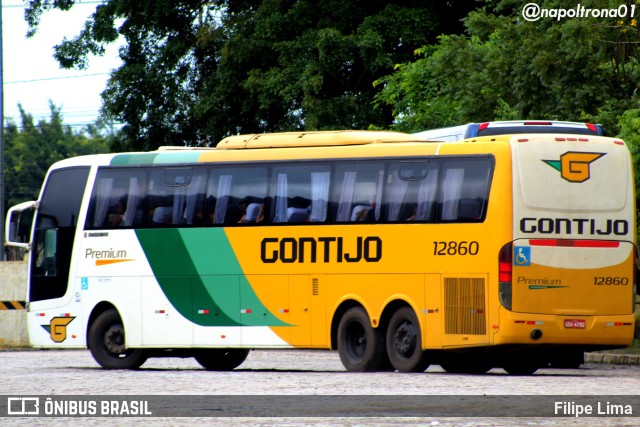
[(508, 130)]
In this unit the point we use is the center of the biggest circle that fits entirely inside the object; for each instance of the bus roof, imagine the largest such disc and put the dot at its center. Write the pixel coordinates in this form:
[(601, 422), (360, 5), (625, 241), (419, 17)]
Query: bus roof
[(304, 145), (312, 139), (472, 130)]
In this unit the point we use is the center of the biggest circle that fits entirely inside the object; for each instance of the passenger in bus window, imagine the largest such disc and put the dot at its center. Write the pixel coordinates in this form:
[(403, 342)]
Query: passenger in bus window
[(254, 213), (298, 209), (118, 218), (414, 211), (162, 214), (236, 212), (360, 213)]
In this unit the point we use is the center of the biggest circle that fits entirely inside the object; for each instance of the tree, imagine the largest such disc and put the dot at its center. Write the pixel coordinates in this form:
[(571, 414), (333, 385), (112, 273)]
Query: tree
[(195, 71), (505, 67), (30, 149), (630, 132)]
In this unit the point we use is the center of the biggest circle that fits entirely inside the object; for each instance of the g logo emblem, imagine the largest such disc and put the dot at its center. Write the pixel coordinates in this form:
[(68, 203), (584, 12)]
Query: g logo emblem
[(574, 165), (57, 328)]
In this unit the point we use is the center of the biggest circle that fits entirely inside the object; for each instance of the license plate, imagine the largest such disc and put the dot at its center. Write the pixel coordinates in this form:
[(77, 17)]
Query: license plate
[(575, 323)]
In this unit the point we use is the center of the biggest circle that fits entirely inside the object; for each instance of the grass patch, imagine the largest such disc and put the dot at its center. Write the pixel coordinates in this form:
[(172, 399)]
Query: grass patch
[(634, 348)]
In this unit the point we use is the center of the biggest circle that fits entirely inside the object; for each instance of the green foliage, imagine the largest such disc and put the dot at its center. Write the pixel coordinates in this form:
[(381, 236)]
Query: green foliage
[(582, 69), (630, 132), (29, 150), (195, 71)]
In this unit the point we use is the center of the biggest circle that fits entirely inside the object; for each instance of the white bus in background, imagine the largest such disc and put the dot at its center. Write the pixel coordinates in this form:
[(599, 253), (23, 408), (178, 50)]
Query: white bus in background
[(472, 130)]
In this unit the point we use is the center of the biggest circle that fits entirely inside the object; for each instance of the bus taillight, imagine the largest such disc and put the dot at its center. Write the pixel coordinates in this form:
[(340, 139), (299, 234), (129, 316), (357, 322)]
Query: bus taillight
[(505, 262), (538, 123)]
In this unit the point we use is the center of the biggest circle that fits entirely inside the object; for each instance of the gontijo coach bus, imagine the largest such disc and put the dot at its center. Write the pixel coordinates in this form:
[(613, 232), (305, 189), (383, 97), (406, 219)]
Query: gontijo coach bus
[(504, 251)]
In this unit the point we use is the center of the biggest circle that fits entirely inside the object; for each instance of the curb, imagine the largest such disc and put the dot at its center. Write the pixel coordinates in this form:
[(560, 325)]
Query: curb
[(612, 358)]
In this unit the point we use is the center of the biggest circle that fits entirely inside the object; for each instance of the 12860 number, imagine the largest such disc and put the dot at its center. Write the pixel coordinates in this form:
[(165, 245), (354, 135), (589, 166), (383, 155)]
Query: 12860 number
[(456, 248), (608, 281)]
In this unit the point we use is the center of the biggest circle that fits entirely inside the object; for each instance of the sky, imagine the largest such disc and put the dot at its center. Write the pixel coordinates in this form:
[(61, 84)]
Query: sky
[(32, 77)]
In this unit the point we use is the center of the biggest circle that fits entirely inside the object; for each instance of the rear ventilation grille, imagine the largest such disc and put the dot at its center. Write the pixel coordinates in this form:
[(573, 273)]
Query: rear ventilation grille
[(464, 306)]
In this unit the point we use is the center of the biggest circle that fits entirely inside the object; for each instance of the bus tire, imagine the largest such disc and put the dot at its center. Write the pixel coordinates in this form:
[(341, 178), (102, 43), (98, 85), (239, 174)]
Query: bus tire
[(221, 359), (106, 341), (360, 346), (404, 342)]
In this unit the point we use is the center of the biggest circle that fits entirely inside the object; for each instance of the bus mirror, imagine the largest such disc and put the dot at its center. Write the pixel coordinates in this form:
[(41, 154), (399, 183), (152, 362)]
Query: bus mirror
[(18, 225)]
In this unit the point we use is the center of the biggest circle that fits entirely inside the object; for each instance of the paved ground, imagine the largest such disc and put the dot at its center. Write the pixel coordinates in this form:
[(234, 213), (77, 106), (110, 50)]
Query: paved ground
[(305, 375)]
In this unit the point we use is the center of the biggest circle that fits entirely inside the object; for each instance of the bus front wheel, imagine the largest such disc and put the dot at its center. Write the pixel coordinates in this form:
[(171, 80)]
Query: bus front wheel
[(404, 342), (360, 346), (221, 359), (107, 343)]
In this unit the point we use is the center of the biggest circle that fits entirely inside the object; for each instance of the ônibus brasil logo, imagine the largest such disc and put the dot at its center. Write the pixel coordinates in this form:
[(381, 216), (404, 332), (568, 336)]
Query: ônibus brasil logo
[(574, 165)]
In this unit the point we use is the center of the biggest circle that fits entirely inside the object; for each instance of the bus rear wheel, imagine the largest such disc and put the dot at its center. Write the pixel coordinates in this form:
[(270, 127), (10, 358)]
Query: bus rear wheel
[(106, 342), (221, 359), (360, 346), (404, 342)]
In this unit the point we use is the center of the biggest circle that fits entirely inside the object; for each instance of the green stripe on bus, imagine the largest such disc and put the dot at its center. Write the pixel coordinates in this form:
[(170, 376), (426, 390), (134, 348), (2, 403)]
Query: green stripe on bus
[(133, 159), (173, 157), (200, 275)]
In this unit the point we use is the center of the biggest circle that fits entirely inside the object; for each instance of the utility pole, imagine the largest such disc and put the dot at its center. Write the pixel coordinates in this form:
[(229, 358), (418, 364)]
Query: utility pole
[(2, 255)]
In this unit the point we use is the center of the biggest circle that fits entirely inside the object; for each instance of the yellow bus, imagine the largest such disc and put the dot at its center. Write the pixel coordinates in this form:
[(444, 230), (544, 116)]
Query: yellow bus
[(513, 252)]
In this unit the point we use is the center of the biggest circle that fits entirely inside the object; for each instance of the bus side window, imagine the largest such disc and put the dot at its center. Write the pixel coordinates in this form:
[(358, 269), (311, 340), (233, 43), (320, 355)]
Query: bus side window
[(356, 192), (410, 193), (465, 190), (117, 199), (194, 204), (132, 205), (176, 196), (300, 193), (233, 194)]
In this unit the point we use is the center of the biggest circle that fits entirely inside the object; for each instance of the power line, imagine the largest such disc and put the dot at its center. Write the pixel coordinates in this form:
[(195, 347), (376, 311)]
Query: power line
[(71, 125), (24, 6), (56, 78), (2, 189)]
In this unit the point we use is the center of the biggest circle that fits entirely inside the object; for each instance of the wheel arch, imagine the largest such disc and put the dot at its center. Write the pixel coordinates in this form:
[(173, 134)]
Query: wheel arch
[(99, 308)]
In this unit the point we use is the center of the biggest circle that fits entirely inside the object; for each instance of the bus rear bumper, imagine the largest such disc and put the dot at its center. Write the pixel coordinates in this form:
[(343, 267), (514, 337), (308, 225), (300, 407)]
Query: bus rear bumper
[(525, 328)]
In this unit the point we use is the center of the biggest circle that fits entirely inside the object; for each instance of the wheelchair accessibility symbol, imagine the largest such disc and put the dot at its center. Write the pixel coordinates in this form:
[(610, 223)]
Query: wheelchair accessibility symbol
[(522, 256)]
